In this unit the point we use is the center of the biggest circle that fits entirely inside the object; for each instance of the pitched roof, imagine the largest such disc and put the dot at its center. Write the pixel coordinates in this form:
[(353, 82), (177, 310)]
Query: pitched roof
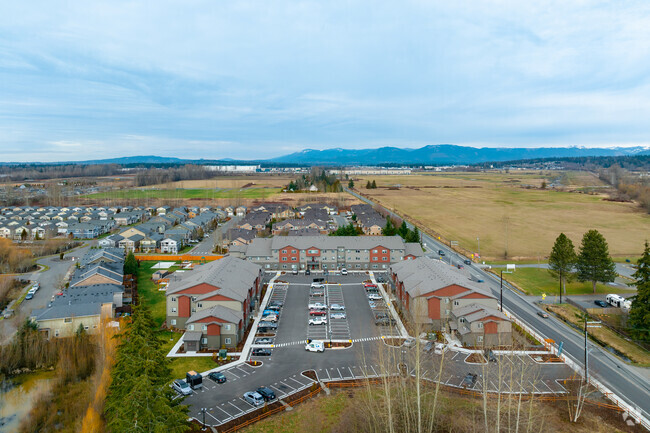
[(218, 311), (233, 276), (79, 302)]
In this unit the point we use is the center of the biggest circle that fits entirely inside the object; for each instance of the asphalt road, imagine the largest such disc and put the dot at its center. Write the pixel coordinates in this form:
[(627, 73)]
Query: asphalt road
[(622, 379), (47, 280), (206, 246)]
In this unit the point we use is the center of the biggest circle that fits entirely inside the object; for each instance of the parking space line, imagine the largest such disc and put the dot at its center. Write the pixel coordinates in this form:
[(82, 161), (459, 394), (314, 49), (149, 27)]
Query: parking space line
[(373, 369), (284, 394), (229, 416), (240, 411), (230, 371), (286, 384)]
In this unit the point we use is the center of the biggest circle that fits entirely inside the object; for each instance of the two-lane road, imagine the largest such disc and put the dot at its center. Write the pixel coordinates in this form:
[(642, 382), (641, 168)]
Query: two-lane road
[(608, 369)]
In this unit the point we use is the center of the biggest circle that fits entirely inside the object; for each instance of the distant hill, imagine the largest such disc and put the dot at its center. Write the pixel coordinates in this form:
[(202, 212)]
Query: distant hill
[(446, 154), (148, 159)]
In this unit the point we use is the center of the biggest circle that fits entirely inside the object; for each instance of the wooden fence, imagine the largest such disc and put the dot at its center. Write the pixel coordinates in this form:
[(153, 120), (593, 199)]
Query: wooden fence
[(176, 257)]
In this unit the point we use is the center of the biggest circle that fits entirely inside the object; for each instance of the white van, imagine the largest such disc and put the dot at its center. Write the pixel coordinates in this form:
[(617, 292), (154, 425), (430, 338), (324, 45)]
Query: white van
[(315, 346), (615, 300)]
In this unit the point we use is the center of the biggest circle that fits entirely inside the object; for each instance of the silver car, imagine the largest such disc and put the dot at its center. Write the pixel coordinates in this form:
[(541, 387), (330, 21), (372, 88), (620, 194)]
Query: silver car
[(181, 387)]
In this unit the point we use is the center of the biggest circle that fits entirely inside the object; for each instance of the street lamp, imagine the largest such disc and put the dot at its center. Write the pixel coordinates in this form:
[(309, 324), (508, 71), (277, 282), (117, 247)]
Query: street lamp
[(204, 428), (588, 324)]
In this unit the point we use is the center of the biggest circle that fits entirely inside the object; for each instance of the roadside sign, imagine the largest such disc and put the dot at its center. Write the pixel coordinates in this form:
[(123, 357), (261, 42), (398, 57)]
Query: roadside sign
[(559, 349)]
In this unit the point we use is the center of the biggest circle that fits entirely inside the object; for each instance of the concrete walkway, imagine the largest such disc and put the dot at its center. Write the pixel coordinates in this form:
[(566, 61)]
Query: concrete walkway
[(391, 307)]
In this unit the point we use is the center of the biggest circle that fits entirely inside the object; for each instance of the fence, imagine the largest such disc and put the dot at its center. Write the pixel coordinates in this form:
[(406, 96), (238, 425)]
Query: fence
[(176, 257)]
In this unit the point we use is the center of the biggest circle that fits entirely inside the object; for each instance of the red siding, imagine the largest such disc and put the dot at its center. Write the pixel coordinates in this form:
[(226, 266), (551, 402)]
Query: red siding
[(290, 254), (476, 296), (199, 289), (379, 255), (434, 308), (490, 328), (312, 255), (448, 291), (214, 329), (183, 306), (218, 297)]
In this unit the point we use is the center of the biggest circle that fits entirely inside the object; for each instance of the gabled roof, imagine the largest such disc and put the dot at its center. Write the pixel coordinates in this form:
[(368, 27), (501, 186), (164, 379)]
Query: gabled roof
[(113, 271), (233, 276), (218, 311)]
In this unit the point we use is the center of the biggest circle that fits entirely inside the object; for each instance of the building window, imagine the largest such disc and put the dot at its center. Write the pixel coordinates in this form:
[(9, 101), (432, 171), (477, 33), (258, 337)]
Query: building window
[(86, 328), (284, 266), (375, 266), (200, 305), (173, 322), (385, 259), (384, 251), (193, 310), (456, 303), (204, 327), (446, 300), (204, 341), (357, 266), (56, 332), (284, 251), (284, 259), (228, 341), (67, 320), (447, 312), (190, 327), (461, 320), (479, 339), (226, 327), (193, 298), (293, 259), (173, 309), (480, 325), (375, 251), (313, 251), (374, 259)]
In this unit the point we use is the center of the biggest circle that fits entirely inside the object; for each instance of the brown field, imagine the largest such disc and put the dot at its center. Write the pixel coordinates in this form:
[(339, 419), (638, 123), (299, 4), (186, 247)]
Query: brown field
[(511, 220)]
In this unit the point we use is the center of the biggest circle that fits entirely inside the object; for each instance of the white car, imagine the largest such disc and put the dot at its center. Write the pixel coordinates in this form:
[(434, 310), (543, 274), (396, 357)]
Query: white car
[(315, 346), (338, 315), (439, 348), (317, 306), (374, 297), (344, 271), (271, 318), (337, 307), (318, 321), (317, 286)]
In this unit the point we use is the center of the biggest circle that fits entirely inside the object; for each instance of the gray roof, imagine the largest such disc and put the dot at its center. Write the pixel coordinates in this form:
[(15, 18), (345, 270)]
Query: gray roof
[(114, 271), (192, 336), (231, 277), (103, 255), (424, 275), (413, 249), (218, 311), (79, 302), (260, 247), (474, 312)]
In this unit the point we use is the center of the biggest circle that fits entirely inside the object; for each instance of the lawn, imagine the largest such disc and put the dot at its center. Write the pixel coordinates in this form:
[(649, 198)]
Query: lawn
[(511, 216), (537, 281), (180, 366), (149, 294), (635, 353)]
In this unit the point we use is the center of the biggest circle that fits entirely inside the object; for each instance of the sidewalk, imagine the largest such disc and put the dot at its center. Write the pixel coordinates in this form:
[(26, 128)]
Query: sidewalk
[(391, 307)]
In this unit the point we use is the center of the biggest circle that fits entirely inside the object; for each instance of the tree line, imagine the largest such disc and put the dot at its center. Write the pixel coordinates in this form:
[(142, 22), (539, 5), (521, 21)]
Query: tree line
[(403, 231), (593, 263)]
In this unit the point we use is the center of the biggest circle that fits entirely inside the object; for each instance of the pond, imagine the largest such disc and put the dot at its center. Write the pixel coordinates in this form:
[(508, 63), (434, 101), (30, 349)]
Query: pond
[(18, 394)]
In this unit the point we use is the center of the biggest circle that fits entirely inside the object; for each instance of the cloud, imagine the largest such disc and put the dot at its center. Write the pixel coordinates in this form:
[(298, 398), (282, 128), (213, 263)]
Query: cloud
[(251, 79)]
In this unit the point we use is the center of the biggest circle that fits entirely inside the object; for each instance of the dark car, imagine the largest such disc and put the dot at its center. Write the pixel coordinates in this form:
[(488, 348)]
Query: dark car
[(601, 303), (384, 321), (307, 272), (276, 304), (428, 347), (265, 392), (274, 308), (467, 262), (491, 356), (261, 352), (441, 253), (459, 266), (217, 377), (542, 314), (469, 380), (381, 315)]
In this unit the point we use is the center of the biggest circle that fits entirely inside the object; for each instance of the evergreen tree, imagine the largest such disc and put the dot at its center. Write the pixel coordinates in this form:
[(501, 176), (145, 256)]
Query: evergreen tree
[(639, 319), (374, 185), (139, 399), (368, 185), (413, 235), (403, 230), (562, 260), (389, 229), (130, 265), (351, 184), (594, 263)]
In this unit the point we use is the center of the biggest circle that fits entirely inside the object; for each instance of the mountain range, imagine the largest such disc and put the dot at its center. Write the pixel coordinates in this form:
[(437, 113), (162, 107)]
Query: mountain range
[(441, 154)]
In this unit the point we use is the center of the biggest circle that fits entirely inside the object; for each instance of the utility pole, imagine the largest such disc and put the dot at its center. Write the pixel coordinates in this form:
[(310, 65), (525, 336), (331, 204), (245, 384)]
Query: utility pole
[(501, 296), (588, 324), (560, 285)]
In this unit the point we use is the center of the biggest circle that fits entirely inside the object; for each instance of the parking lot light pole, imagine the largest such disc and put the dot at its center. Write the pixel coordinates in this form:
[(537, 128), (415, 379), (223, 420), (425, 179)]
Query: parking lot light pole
[(204, 428), (501, 296)]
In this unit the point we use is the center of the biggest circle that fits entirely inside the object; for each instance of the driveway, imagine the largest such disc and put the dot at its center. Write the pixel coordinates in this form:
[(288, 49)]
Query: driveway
[(206, 246)]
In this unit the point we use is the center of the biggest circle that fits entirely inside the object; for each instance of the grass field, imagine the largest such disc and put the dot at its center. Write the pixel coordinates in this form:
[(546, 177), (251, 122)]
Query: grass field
[(510, 220), (228, 182), (149, 294), (180, 366), (635, 353), (537, 281), (139, 194)]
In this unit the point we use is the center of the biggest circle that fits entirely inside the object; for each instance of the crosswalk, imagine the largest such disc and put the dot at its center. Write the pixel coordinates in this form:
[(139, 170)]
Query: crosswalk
[(292, 343)]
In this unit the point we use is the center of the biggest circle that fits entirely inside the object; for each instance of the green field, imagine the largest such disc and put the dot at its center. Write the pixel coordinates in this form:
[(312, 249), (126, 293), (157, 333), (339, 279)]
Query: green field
[(180, 366), (133, 194), (149, 294), (537, 281)]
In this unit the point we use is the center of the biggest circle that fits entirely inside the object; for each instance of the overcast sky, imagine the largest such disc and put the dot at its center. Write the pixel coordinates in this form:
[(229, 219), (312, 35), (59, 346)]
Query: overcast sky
[(243, 79)]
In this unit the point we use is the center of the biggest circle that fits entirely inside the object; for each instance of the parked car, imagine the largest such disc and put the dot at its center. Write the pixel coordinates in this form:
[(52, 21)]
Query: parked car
[(29, 296), (318, 321), (428, 346), (459, 266), (317, 293), (469, 380), (337, 307), (338, 315), (217, 377), (261, 352), (266, 393), (601, 303), (307, 271), (181, 387), (385, 321), (279, 304), (439, 348), (409, 342), (315, 346), (274, 308), (269, 312), (8, 313), (374, 296), (294, 271), (317, 312), (317, 285), (381, 314), (380, 279), (317, 306), (480, 280), (273, 318), (253, 398), (266, 324), (369, 285), (542, 314), (491, 356), (264, 340), (372, 304), (344, 271)]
